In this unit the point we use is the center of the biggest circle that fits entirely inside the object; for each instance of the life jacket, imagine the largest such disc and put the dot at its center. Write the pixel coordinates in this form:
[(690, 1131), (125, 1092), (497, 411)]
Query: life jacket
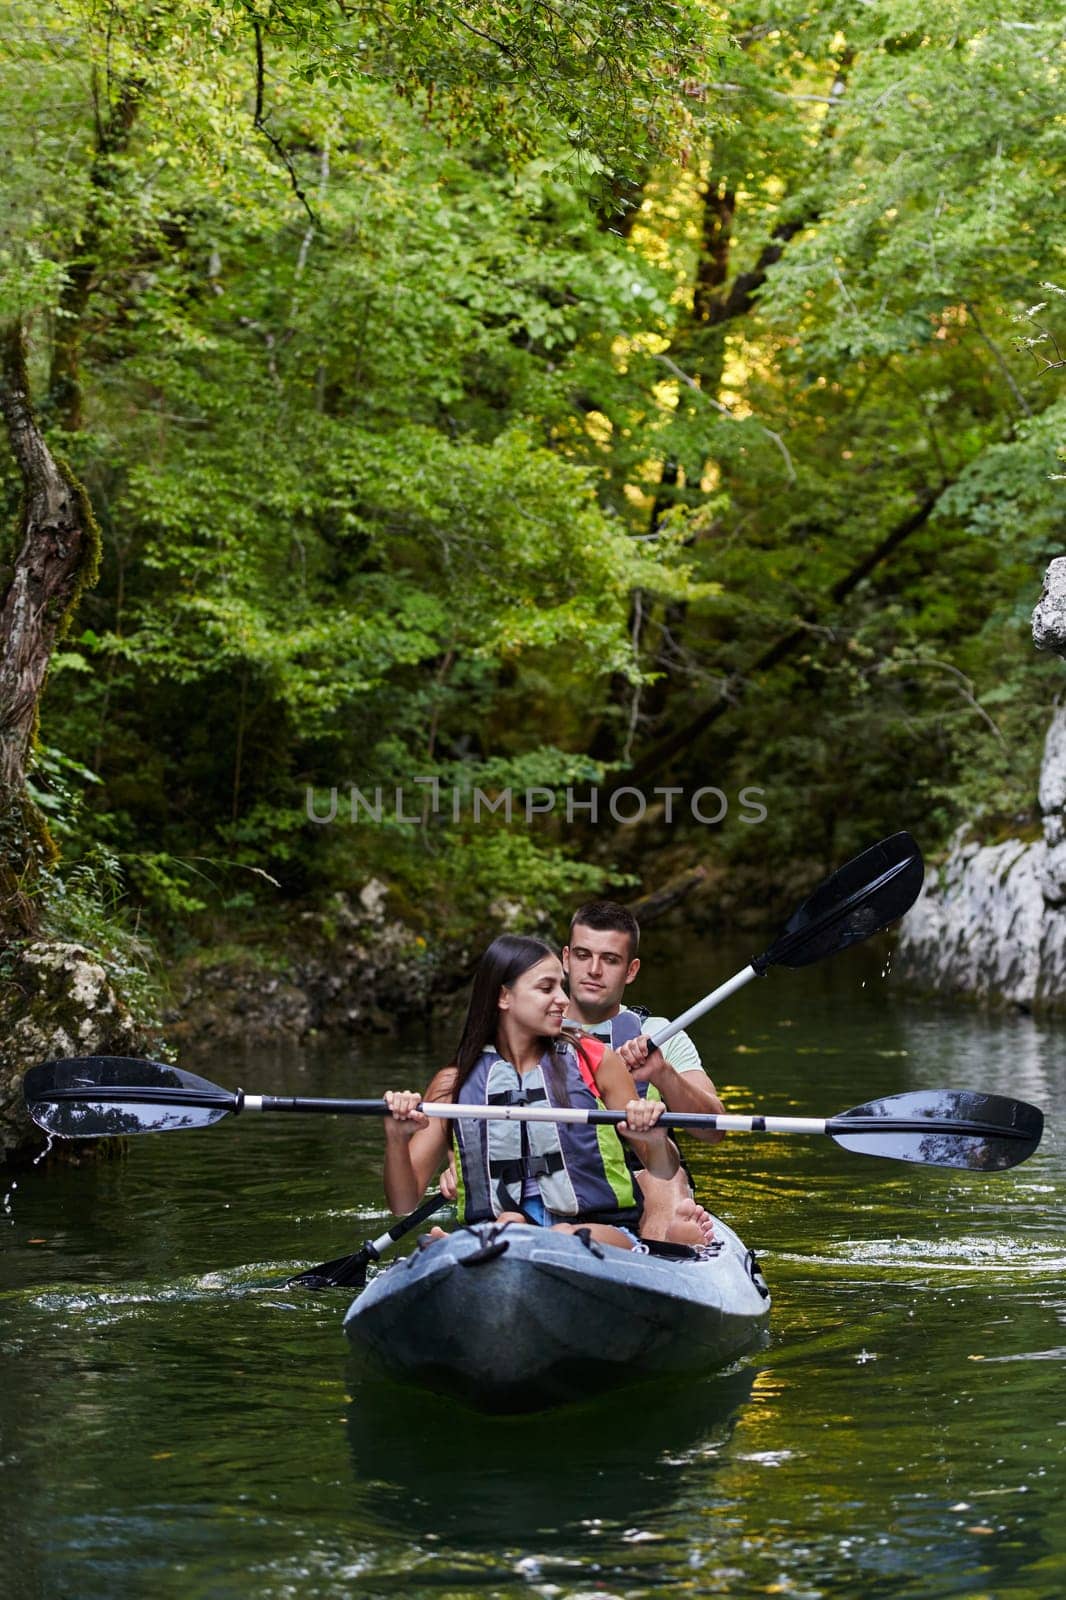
[(580, 1170), (626, 1024)]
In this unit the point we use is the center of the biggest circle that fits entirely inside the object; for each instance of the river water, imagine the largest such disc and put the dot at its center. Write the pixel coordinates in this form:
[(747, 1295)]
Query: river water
[(174, 1423)]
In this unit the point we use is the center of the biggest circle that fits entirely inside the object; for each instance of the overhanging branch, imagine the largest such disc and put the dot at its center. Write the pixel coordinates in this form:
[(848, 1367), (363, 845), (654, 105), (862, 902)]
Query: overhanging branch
[(683, 738), (259, 124)]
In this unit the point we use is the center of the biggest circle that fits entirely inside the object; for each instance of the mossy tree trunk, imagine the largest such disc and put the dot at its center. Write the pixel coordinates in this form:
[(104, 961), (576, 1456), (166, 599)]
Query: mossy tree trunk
[(56, 556)]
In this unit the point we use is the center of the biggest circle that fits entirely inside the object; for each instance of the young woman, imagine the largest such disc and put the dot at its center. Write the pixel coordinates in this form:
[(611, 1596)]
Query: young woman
[(513, 1050)]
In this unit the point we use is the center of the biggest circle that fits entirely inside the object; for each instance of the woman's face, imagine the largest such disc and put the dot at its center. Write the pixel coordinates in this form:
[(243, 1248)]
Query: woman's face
[(537, 1000)]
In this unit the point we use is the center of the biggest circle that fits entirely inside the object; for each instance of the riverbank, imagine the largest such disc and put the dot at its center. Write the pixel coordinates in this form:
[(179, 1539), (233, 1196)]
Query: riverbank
[(354, 968), (349, 969)]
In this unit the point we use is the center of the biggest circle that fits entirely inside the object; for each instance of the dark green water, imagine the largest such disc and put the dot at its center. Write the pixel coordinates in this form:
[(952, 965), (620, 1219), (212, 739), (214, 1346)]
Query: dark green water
[(175, 1424)]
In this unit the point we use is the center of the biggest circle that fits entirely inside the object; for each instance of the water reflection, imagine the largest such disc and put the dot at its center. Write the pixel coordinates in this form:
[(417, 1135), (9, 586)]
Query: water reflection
[(88, 1119), (1010, 1052), (92, 1097), (425, 1464)]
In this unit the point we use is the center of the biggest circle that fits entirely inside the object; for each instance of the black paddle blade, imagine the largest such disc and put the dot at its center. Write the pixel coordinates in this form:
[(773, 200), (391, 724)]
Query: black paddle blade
[(943, 1128), (859, 899), (346, 1272), (97, 1097), (349, 1272)]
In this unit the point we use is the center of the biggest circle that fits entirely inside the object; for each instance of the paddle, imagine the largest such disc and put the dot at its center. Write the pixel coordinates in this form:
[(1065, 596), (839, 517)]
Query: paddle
[(857, 900), (349, 1272), (92, 1096)]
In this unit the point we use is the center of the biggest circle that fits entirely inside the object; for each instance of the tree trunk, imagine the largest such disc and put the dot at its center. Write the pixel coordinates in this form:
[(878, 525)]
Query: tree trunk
[(650, 907), (57, 556), (64, 401)]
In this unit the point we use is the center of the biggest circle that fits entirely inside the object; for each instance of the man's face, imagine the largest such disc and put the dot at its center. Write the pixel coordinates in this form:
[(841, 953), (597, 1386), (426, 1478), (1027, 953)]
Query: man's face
[(598, 966)]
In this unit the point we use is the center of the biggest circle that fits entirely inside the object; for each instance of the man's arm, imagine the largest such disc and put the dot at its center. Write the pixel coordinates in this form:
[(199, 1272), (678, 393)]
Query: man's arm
[(679, 1052), (676, 1073)]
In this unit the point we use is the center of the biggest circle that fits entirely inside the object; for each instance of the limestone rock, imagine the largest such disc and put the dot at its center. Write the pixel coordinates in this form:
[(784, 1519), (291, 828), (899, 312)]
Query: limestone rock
[(1049, 617), (1052, 792), (372, 897), (993, 925), (55, 1000), (977, 928)]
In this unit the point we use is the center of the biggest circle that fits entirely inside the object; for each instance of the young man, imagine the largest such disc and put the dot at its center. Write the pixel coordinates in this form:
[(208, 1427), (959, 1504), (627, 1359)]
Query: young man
[(600, 960)]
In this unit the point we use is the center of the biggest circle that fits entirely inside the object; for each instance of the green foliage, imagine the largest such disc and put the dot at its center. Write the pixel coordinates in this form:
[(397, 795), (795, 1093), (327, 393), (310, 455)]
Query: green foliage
[(84, 904), (478, 392), (1003, 493), (888, 188)]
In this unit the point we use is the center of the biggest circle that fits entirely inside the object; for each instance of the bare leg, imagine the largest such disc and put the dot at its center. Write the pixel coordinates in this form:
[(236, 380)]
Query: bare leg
[(503, 1218), (600, 1232), (682, 1220)]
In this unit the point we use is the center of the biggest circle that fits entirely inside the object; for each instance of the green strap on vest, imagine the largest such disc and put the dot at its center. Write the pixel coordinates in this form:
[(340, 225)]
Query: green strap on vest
[(613, 1150)]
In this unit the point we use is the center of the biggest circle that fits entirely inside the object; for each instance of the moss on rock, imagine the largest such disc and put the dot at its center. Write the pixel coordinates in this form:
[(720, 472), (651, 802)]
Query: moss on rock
[(56, 1000)]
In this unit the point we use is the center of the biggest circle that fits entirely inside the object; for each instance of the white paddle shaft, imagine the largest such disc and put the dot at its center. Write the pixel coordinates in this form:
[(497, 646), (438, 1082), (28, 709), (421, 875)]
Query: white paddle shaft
[(725, 1122), (708, 1003)]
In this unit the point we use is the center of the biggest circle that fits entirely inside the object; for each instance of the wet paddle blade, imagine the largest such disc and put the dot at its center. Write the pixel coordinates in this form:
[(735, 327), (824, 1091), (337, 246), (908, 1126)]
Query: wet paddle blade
[(97, 1097), (858, 900), (943, 1128), (346, 1272), (349, 1272)]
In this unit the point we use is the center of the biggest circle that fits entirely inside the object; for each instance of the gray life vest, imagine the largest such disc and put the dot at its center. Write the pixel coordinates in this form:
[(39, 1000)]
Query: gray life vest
[(580, 1170)]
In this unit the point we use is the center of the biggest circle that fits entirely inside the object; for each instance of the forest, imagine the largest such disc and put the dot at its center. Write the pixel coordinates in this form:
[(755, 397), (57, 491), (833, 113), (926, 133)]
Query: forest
[(523, 450)]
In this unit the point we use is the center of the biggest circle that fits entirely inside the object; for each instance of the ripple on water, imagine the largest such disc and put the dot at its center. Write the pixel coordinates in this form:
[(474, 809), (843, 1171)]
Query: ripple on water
[(972, 1252), (66, 1308)]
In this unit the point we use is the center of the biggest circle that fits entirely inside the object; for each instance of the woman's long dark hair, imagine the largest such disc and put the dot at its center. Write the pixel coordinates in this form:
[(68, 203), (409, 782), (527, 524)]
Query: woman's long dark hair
[(505, 960)]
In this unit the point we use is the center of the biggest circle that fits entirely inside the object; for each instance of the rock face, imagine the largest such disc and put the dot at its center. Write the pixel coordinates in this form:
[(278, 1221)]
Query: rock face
[(992, 924), (977, 928), (356, 971), (1049, 618), (55, 1000)]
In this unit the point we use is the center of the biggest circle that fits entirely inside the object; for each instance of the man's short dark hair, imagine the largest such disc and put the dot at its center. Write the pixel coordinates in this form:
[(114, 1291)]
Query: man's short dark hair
[(607, 916)]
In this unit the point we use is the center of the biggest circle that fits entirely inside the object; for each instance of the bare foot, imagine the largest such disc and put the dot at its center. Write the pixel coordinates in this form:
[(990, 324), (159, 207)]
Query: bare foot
[(437, 1233), (691, 1224)]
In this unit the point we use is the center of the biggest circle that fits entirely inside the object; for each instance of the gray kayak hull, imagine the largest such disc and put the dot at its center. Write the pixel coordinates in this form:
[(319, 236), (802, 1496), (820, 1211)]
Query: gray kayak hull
[(518, 1319)]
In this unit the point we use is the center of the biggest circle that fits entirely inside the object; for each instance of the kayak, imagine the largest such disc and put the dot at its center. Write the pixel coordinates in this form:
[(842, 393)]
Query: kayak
[(521, 1318)]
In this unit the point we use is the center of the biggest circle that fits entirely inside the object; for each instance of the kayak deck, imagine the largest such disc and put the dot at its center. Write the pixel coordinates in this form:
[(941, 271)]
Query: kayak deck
[(520, 1318)]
